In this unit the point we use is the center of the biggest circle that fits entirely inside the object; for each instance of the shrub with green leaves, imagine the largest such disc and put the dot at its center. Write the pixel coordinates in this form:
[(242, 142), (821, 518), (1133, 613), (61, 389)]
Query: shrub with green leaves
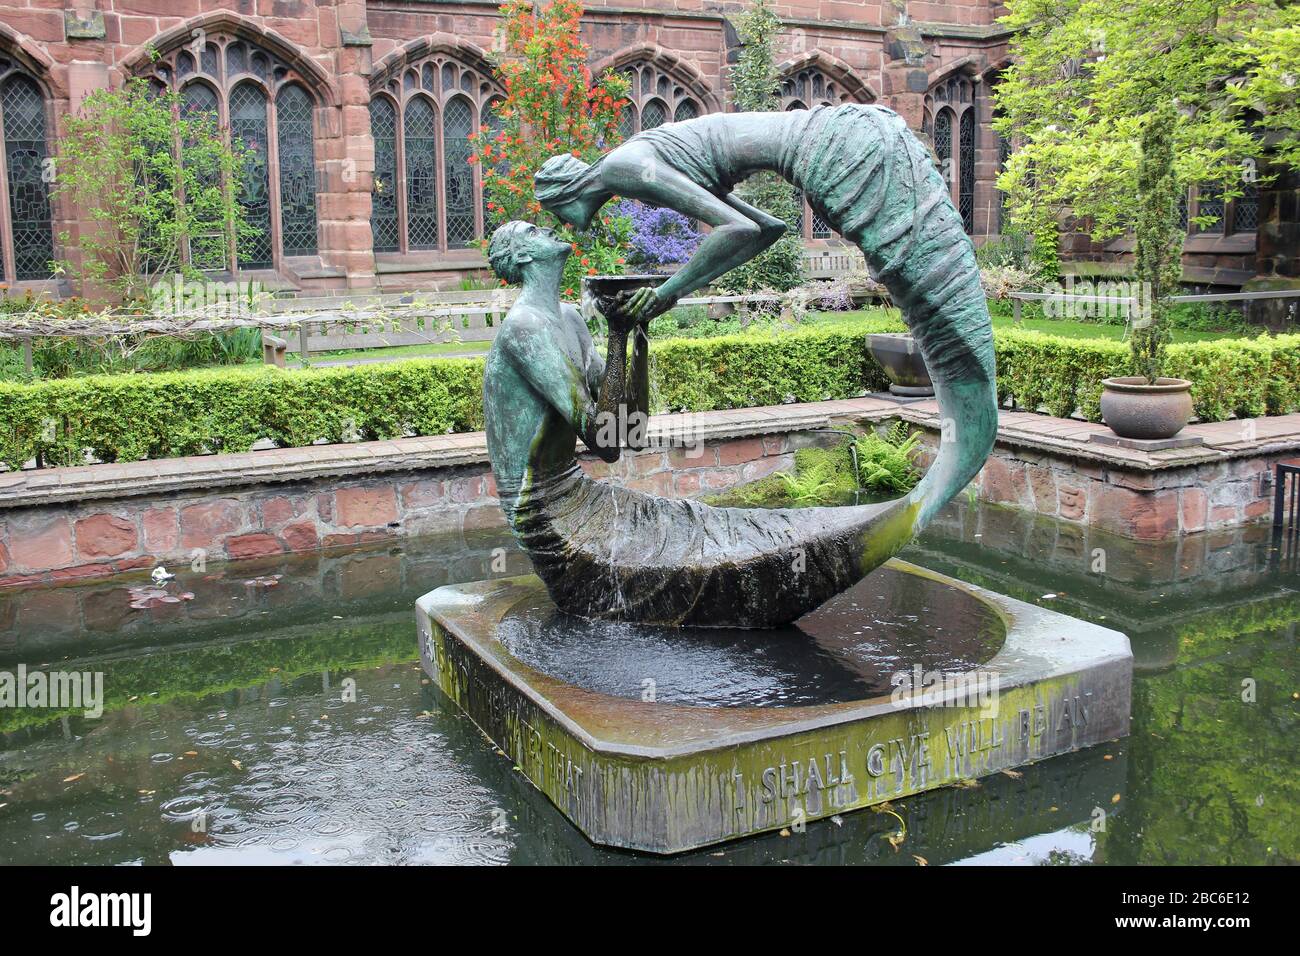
[(171, 414), (155, 180)]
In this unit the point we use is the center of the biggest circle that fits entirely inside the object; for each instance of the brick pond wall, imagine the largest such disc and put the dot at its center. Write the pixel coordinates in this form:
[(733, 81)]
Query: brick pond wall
[(1143, 503), (65, 524), (62, 541)]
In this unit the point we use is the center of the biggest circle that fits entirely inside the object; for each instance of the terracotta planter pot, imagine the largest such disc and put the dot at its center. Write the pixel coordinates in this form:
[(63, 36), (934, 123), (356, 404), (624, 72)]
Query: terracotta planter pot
[(1134, 409), (901, 359)]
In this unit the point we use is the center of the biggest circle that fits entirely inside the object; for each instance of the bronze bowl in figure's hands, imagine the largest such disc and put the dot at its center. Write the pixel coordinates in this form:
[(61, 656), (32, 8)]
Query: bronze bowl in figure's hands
[(610, 294)]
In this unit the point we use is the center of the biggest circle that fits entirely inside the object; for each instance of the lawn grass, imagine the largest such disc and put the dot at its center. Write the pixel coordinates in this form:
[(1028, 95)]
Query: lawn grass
[(431, 349), (1062, 327)]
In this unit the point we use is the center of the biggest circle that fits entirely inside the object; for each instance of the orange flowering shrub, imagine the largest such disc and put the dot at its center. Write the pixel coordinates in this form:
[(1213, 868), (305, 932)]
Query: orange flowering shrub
[(552, 105)]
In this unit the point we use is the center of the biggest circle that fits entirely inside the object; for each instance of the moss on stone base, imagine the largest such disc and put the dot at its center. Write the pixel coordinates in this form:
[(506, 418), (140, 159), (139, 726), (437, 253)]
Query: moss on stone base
[(821, 476)]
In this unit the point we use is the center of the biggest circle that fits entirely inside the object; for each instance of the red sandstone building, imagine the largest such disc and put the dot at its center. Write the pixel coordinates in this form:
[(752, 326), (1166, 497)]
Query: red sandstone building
[(339, 95)]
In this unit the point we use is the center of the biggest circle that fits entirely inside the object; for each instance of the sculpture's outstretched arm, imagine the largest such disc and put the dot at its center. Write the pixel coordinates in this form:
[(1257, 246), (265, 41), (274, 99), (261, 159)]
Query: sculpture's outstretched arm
[(558, 379), (739, 232)]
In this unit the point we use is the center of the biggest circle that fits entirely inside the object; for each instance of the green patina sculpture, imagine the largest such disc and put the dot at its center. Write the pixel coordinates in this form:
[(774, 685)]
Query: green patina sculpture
[(609, 552)]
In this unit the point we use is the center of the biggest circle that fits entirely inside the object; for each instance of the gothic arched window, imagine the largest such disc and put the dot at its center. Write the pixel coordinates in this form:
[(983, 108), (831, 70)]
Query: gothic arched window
[(654, 114), (458, 171), (655, 97), (951, 116), (248, 124), (686, 110), (427, 193), (267, 106), (293, 114), (420, 139), (28, 233), (966, 171), (383, 208)]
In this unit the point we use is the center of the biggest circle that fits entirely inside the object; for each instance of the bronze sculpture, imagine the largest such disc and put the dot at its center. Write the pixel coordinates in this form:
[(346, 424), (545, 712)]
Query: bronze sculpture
[(609, 552)]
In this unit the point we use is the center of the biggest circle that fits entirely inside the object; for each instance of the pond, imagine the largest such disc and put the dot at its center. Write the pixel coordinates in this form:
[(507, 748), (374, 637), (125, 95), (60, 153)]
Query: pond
[(279, 716)]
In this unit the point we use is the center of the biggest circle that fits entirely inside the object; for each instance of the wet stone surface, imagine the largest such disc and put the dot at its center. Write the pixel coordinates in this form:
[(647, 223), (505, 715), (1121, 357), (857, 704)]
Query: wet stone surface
[(846, 650)]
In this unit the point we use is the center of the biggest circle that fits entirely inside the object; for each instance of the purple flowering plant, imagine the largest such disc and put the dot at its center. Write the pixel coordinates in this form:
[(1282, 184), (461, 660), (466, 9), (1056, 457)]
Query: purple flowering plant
[(660, 236)]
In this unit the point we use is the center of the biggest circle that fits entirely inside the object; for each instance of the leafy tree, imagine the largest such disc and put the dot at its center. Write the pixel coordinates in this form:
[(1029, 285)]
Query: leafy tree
[(552, 105), (755, 80), (157, 184), (1087, 76)]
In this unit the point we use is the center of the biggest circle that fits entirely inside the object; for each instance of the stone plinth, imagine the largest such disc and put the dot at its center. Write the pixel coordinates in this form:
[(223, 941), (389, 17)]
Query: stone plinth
[(664, 777)]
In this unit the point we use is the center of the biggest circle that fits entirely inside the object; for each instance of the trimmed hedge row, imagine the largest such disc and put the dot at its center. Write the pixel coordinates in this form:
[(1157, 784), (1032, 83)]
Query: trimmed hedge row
[(1230, 377), (165, 415), (739, 371), (171, 414)]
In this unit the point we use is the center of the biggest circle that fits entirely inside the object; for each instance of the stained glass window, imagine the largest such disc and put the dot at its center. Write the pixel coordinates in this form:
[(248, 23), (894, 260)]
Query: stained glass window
[(297, 158), (686, 110), (248, 125), (627, 121), (420, 137), (457, 121), (25, 152), (199, 98), (494, 126), (654, 114), (943, 143), (227, 65), (209, 251), (1245, 209), (966, 172), (383, 202)]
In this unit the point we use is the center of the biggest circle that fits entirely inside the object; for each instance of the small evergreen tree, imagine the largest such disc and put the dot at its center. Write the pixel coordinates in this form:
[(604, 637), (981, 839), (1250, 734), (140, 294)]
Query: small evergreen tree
[(1159, 248), (755, 80)]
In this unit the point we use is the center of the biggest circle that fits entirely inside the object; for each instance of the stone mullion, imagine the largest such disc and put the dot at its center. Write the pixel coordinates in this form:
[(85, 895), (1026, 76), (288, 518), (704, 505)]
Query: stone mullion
[(273, 176), (440, 167), (8, 265), (403, 246)]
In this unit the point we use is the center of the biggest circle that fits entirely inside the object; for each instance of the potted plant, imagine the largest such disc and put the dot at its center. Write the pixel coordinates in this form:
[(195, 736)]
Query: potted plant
[(1149, 405), (900, 357)]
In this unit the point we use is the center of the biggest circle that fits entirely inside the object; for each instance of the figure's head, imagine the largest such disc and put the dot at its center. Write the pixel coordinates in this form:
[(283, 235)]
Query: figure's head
[(560, 186), (516, 243)]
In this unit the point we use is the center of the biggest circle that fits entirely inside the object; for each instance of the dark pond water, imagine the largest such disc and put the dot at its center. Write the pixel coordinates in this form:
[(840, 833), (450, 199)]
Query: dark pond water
[(285, 720)]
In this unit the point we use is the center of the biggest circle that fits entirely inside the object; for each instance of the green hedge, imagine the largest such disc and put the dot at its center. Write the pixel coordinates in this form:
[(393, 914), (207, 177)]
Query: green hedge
[(170, 414), (742, 371), (1230, 377), (165, 415)]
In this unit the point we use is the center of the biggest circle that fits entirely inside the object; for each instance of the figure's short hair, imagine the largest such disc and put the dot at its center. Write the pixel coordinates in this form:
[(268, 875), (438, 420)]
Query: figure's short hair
[(503, 250), (561, 177)]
